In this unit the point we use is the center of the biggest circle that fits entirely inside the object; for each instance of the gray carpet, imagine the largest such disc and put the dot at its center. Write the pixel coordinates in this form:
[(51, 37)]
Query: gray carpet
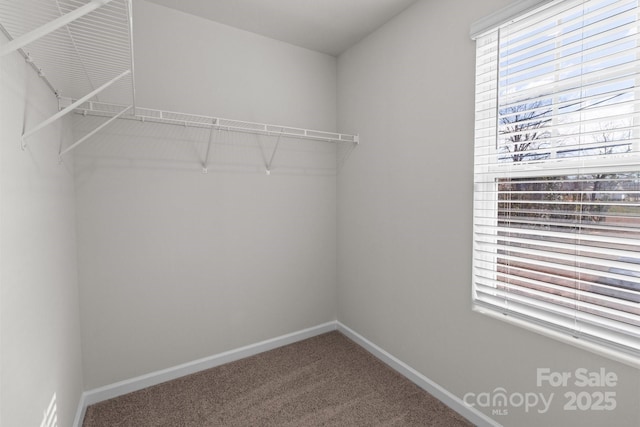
[(327, 380)]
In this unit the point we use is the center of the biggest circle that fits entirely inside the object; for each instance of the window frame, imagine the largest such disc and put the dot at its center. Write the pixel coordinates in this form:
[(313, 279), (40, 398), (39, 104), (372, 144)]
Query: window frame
[(481, 31)]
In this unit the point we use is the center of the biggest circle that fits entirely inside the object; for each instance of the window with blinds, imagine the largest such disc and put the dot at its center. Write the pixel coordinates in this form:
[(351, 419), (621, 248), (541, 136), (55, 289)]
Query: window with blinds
[(557, 171)]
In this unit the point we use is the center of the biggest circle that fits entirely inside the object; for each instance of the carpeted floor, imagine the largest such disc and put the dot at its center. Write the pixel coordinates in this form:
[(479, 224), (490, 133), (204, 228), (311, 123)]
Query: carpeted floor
[(327, 380)]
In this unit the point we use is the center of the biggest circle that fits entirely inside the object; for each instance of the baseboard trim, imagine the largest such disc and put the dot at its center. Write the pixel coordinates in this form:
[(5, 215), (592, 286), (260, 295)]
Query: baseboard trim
[(436, 390), (138, 383)]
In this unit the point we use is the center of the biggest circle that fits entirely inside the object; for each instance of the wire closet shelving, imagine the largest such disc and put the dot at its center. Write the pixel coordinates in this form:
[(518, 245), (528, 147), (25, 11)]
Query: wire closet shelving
[(83, 50)]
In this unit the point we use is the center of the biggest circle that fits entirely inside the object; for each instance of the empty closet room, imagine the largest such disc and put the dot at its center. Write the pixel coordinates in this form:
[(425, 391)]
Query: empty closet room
[(253, 174)]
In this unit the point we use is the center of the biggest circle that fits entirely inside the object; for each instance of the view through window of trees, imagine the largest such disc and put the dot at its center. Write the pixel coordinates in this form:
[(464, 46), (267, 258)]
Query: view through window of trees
[(557, 174)]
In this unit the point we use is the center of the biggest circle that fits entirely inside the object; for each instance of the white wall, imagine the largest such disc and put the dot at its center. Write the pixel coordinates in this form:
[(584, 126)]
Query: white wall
[(175, 264), (193, 65), (40, 359), (405, 220)]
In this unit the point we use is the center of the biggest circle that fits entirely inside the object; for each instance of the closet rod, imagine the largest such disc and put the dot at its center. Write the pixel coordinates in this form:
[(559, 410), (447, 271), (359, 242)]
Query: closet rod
[(51, 26)]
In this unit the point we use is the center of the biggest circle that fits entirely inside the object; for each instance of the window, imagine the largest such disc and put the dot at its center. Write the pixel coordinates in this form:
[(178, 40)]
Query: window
[(557, 173)]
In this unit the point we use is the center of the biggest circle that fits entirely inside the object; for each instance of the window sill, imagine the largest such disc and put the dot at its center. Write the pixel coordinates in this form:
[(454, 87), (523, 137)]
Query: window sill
[(592, 347)]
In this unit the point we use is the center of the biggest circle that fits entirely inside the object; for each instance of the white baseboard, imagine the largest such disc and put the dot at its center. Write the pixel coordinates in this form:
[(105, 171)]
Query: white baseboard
[(439, 392), (138, 383)]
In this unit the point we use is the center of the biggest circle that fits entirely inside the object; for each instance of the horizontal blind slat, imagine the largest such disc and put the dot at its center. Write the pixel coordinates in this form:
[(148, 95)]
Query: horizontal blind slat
[(556, 181)]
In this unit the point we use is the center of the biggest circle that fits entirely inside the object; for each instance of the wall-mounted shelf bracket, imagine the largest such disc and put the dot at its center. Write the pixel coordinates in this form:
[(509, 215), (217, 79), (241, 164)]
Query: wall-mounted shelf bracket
[(93, 132), (70, 108), (273, 154), (29, 61), (205, 163), (75, 46)]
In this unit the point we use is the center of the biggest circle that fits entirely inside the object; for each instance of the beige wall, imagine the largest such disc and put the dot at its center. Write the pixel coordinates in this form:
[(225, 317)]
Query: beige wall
[(405, 228), (40, 361), (177, 265)]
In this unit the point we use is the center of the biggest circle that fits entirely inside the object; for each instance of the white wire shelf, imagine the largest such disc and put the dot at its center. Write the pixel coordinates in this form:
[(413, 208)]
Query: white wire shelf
[(82, 54), (83, 50), (191, 120)]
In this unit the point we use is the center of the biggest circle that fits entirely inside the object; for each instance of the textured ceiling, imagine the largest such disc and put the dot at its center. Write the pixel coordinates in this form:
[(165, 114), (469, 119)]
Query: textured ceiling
[(328, 26)]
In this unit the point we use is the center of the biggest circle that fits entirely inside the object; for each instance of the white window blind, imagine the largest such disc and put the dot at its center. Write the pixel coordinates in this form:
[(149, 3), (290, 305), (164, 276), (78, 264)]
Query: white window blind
[(557, 171)]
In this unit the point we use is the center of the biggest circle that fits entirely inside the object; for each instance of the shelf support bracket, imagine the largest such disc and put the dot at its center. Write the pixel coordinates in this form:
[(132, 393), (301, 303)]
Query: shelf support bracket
[(51, 26), (205, 164), (273, 154), (70, 108), (93, 132)]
